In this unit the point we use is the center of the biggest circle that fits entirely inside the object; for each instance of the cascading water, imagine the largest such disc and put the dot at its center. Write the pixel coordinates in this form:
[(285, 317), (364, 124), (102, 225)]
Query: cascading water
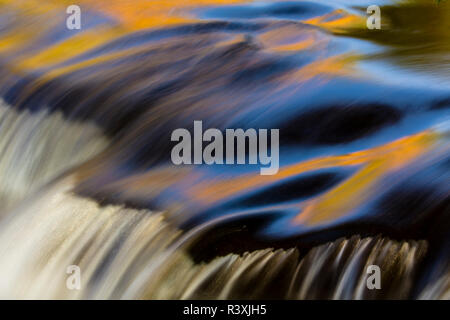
[(86, 178)]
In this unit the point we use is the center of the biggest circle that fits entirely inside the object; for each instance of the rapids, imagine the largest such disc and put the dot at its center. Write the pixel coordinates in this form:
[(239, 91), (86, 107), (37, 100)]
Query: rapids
[(86, 178)]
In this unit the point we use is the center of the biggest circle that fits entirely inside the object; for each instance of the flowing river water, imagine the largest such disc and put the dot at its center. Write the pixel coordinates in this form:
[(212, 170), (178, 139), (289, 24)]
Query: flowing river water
[(85, 172)]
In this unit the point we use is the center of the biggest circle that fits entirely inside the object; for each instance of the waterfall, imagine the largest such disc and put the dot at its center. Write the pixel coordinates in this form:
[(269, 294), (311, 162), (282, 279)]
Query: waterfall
[(88, 189)]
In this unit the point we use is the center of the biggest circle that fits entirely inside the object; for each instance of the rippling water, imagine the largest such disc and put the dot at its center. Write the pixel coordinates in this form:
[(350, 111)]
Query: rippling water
[(85, 172)]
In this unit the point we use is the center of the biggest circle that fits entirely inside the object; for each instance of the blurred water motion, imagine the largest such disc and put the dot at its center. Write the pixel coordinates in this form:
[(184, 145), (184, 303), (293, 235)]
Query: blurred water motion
[(85, 173)]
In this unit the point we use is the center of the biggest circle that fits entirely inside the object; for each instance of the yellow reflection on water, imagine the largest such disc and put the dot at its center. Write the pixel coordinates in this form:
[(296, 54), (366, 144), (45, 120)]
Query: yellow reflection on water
[(375, 164), (37, 17)]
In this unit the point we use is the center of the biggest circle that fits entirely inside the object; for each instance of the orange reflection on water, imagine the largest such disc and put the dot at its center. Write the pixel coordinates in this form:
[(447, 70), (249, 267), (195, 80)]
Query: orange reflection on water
[(337, 21), (40, 17), (375, 163), (357, 189)]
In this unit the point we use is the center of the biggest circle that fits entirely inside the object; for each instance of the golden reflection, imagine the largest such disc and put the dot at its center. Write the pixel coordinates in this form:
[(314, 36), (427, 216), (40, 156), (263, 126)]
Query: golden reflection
[(375, 163)]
